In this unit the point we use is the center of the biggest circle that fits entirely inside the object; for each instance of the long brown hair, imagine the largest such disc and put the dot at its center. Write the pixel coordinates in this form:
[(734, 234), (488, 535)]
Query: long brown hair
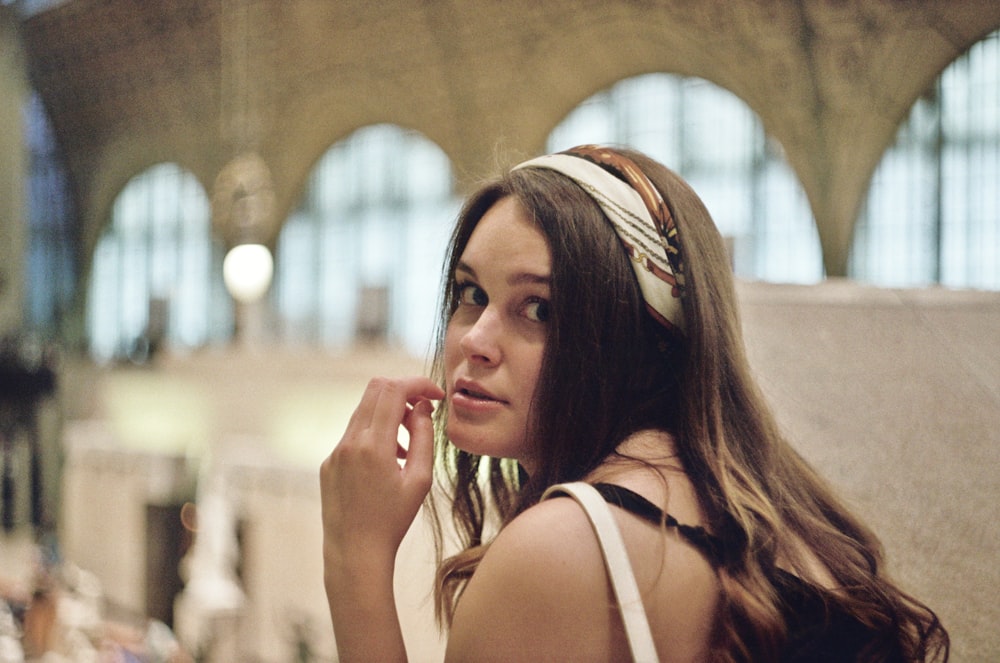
[(608, 370)]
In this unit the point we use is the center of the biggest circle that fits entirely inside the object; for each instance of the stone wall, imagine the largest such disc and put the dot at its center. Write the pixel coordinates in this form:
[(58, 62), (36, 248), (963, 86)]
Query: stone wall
[(895, 397), (13, 165)]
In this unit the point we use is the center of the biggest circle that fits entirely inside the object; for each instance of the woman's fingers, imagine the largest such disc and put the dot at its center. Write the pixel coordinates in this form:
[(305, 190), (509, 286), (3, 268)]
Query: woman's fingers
[(394, 398), (362, 415), (420, 454), (373, 430), (384, 406)]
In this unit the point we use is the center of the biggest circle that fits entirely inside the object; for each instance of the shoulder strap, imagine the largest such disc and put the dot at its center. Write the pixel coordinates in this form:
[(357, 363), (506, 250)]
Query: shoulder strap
[(709, 545), (640, 638)]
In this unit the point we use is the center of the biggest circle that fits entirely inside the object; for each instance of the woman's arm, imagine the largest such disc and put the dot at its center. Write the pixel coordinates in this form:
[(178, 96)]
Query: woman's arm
[(368, 503)]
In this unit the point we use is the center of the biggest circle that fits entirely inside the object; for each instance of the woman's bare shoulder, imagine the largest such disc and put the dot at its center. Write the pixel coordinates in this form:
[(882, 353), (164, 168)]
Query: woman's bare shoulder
[(540, 593)]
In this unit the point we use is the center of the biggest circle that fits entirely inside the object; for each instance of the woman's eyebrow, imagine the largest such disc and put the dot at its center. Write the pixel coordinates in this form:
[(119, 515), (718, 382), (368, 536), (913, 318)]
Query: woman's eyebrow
[(529, 278), (518, 278)]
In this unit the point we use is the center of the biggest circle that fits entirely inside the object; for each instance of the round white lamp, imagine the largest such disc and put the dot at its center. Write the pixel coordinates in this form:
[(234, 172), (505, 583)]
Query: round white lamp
[(247, 270)]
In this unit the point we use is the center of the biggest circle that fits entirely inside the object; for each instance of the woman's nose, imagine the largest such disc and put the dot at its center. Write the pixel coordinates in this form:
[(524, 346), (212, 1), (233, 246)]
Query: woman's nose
[(481, 342)]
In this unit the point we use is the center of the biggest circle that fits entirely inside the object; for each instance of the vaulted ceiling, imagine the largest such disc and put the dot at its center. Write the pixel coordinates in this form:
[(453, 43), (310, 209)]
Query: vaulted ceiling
[(128, 83)]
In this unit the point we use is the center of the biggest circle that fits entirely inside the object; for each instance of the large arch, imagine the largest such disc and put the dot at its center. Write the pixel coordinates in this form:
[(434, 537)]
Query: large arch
[(830, 81), (359, 258), (156, 272), (712, 139), (931, 214)]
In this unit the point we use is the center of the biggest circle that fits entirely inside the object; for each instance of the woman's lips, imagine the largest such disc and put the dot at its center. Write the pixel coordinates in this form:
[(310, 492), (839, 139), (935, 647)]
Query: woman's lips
[(471, 395)]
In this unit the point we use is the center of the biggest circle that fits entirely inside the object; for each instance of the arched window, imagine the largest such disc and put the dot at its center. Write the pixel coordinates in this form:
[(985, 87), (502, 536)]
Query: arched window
[(360, 260), (933, 209), (712, 139), (157, 274), (51, 260)]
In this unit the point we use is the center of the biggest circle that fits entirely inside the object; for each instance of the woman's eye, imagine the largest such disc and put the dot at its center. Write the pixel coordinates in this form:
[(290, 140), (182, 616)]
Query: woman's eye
[(537, 310), (472, 295)]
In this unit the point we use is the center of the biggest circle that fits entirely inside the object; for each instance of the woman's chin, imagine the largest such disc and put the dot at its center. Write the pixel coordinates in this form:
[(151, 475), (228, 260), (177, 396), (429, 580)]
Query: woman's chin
[(472, 439)]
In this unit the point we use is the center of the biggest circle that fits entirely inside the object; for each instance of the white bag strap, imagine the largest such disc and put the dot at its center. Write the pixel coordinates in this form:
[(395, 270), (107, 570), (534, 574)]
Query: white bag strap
[(640, 638)]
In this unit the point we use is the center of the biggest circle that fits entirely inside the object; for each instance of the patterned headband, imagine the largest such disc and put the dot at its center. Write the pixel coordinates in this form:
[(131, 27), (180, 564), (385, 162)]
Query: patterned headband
[(639, 216)]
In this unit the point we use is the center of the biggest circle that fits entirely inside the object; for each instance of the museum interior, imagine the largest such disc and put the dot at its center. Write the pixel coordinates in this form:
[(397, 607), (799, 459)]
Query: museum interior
[(220, 218)]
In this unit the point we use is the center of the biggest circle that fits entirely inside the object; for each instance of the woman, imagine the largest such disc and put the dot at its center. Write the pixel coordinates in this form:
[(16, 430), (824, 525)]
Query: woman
[(591, 338)]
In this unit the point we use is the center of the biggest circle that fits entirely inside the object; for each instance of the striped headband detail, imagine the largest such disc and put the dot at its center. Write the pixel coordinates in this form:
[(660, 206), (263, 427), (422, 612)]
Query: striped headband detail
[(640, 217)]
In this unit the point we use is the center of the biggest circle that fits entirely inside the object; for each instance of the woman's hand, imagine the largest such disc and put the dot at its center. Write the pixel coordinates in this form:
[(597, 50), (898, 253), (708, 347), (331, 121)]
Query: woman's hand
[(369, 500)]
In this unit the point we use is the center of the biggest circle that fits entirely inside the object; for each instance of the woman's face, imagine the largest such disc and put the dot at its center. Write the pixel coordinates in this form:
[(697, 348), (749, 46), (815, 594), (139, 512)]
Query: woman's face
[(496, 336)]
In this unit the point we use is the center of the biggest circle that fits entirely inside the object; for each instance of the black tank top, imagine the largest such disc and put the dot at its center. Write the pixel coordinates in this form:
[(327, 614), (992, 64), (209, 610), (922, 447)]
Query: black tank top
[(819, 631)]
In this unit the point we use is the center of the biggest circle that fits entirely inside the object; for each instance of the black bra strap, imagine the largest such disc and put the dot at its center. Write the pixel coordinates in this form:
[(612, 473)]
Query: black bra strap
[(634, 503)]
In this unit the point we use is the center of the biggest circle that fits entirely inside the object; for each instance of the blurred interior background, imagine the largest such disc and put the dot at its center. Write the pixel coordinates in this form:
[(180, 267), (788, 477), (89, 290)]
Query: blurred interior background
[(219, 218)]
